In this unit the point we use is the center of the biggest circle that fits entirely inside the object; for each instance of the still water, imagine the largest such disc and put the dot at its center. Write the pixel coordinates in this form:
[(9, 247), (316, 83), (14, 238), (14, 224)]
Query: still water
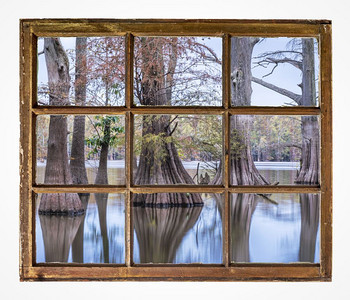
[(281, 228), (281, 172)]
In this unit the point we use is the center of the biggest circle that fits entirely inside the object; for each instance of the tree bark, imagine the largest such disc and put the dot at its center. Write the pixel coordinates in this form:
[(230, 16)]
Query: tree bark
[(159, 161), (102, 172), (57, 169), (243, 170), (310, 154), (77, 159)]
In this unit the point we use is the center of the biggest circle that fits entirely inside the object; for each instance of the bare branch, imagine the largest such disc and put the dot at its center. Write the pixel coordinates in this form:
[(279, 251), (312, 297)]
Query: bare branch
[(276, 53), (284, 92)]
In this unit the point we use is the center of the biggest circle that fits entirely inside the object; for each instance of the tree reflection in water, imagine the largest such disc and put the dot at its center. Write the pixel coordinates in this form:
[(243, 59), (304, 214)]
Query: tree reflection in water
[(242, 209), (95, 237), (261, 231), (102, 201), (278, 228), (310, 214), (58, 235), (177, 234), (78, 242)]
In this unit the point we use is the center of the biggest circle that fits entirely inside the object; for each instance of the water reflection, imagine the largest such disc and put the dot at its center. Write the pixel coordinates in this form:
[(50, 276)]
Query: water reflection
[(178, 235), (78, 242), (58, 233), (281, 228), (95, 237)]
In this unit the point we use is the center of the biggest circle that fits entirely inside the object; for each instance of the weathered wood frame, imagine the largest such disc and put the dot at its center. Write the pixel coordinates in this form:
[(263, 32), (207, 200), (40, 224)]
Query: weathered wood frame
[(31, 29)]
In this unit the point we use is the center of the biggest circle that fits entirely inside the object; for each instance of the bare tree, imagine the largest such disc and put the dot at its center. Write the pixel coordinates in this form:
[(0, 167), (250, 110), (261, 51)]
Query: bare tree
[(301, 57), (243, 170), (57, 169), (77, 159)]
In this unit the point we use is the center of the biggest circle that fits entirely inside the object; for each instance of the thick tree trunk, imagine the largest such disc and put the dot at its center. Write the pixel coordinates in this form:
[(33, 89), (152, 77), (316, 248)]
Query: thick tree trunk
[(160, 231), (77, 159), (159, 161), (57, 168), (310, 154), (243, 170), (310, 214), (161, 164)]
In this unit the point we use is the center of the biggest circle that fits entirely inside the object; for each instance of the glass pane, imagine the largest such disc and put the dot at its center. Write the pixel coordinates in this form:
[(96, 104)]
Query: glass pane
[(178, 71), (80, 149), (275, 150), (178, 234), (177, 149), (274, 71), (94, 236), (81, 71), (275, 228)]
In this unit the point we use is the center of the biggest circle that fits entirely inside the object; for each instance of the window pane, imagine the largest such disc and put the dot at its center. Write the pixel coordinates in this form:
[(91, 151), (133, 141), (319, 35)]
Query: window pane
[(274, 71), (276, 228), (80, 149), (177, 149), (95, 236), (178, 234), (81, 71), (275, 150), (178, 71)]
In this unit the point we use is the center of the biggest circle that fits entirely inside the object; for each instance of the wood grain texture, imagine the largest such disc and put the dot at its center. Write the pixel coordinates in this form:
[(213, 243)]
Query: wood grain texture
[(26, 150), (30, 29), (326, 151), (175, 27), (193, 110), (174, 273), (175, 188)]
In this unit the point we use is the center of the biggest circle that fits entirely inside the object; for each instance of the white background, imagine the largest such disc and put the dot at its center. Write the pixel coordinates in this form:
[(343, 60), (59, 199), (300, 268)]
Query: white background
[(12, 10)]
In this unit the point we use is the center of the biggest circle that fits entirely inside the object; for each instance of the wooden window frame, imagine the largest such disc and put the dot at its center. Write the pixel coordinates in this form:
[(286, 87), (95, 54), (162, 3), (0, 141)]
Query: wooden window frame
[(31, 29)]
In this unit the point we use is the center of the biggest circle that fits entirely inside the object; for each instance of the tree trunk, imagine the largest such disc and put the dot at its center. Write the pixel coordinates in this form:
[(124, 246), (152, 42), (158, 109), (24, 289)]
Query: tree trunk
[(310, 154), (310, 214), (160, 231), (57, 168), (159, 161), (102, 172), (77, 159), (243, 170)]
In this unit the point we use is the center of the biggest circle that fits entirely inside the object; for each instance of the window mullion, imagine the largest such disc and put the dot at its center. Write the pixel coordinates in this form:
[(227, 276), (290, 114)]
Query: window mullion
[(129, 53), (226, 148)]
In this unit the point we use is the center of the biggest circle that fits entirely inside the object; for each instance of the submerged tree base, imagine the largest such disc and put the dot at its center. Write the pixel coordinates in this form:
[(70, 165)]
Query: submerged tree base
[(167, 200), (61, 204)]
